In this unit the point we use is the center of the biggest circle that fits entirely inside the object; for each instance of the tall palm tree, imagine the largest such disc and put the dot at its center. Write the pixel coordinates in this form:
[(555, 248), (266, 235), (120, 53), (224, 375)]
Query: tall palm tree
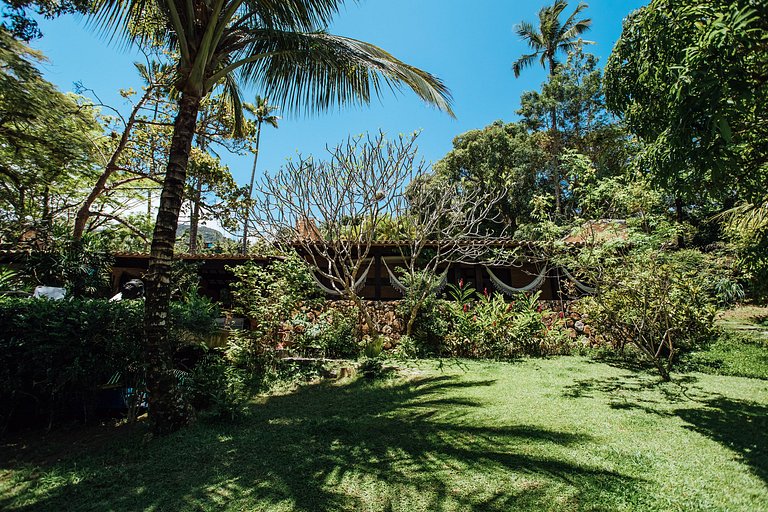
[(551, 38), (262, 110), (281, 47)]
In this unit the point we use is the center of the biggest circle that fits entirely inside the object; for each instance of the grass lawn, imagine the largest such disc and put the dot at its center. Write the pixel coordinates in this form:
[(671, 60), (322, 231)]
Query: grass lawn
[(557, 434)]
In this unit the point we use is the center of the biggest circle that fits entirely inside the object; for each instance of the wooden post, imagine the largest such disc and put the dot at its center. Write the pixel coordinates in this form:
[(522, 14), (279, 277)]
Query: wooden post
[(377, 293)]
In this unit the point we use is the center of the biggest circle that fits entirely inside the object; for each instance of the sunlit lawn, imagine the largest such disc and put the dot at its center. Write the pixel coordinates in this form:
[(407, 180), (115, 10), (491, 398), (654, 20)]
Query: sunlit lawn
[(558, 434)]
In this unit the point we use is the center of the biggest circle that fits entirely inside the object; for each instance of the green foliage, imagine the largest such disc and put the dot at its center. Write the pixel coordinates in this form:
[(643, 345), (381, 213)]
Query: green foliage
[(185, 279), (333, 334), (270, 293), (82, 267), (493, 328), (695, 93), (194, 319), (372, 367), (218, 388), (8, 279), (248, 351), (55, 355), (46, 144), (656, 303), (501, 157)]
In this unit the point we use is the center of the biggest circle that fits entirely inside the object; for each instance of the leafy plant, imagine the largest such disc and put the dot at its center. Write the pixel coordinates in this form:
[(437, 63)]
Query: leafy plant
[(654, 302)]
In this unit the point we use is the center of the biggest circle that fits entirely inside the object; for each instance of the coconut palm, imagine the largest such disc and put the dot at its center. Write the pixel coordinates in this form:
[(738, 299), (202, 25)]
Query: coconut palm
[(547, 41), (283, 48), (262, 111)]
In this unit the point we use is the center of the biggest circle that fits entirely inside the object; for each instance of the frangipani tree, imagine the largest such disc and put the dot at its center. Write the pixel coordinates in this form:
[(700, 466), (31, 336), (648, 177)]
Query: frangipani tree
[(284, 49), (333, 210)]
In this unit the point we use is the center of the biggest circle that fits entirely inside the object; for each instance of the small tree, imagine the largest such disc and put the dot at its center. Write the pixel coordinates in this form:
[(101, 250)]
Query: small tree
[(332, 211), (654, 302)]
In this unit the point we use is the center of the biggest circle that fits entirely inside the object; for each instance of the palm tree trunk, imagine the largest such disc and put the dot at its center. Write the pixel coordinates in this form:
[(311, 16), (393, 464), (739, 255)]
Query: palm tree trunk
[(555, 141), (167, 408), (250, 189)]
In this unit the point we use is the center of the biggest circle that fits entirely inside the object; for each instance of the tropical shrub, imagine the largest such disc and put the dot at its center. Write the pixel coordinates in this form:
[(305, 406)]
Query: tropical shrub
[(270, 295), (56, 355), (218, 388), (333, 334), (654, 302), (491, 327), (82, 267)]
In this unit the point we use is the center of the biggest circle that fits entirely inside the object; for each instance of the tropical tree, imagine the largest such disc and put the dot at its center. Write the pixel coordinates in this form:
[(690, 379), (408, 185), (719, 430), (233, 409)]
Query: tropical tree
[(551, 38), (262, 111), (284, 49)]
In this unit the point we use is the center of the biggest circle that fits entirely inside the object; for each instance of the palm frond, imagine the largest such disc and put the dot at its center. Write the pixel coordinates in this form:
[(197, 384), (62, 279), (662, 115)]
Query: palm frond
[(316, 71), (524, 62)]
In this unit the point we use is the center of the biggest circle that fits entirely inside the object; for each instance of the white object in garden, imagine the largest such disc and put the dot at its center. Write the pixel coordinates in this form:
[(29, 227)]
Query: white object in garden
[(49, 292)]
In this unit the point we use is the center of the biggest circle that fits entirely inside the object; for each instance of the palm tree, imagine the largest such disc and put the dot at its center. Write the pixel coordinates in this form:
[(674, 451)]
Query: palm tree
[(262, 110), (550, 39), (280, 46)]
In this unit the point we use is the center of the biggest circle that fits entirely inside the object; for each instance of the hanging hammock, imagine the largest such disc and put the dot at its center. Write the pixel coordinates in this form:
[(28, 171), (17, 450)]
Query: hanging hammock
[(336, 293), (511, 290), (399, 286), (581, 286)]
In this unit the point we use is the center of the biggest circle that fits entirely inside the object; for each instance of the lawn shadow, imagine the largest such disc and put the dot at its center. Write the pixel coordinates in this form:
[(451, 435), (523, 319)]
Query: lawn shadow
[(325, 446), (739, 425)]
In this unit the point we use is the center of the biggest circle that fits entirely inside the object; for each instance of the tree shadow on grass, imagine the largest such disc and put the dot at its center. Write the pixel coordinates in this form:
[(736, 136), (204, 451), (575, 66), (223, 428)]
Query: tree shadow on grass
[(740, 425), (407, 446), (737, 424)]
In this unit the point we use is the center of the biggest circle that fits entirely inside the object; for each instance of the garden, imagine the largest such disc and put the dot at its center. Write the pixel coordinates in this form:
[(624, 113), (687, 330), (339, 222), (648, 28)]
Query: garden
[(567, 311)]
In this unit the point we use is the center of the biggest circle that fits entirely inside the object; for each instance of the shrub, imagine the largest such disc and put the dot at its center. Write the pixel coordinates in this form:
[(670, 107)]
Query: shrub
[(82, 267), (218, 388), (270, 295), (430, 327), (248, 351), (333, 334), (656, 303), (491, 327), (55, 355)]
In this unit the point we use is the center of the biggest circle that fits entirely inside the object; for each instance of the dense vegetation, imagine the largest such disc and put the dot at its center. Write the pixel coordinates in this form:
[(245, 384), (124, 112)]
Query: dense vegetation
[(645, 178)]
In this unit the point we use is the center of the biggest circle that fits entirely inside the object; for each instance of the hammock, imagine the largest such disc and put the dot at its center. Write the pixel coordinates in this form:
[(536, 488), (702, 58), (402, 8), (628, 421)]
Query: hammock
[(330, 291), (511, 290), (581, 286), (399, 286)]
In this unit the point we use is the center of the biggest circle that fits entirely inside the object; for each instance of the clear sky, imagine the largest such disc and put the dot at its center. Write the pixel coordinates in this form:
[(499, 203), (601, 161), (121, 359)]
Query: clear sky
[(469, 44)]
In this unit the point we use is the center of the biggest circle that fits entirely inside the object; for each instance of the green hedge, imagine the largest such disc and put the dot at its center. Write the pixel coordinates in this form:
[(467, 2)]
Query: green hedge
[(57, 356)]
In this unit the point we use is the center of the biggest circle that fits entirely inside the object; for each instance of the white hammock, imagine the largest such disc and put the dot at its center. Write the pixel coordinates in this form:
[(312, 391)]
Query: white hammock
[(511, 290), (330, 291), (399, 286), (581, 286)]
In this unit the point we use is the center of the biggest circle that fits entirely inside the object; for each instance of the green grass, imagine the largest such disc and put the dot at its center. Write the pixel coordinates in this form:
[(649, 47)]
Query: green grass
[(740, 350), (558, 434)]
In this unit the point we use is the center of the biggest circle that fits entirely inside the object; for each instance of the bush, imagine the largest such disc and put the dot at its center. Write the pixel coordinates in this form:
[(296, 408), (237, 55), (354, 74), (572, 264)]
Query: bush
[(491, 327), (333, 334), (56, 355), (218, 388), (270, 295), (247, 351), (82, 267), (655, 302), (430, 327)]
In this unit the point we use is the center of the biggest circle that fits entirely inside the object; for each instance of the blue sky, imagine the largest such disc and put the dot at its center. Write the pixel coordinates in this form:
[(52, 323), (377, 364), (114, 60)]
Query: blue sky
[(469, 44)]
